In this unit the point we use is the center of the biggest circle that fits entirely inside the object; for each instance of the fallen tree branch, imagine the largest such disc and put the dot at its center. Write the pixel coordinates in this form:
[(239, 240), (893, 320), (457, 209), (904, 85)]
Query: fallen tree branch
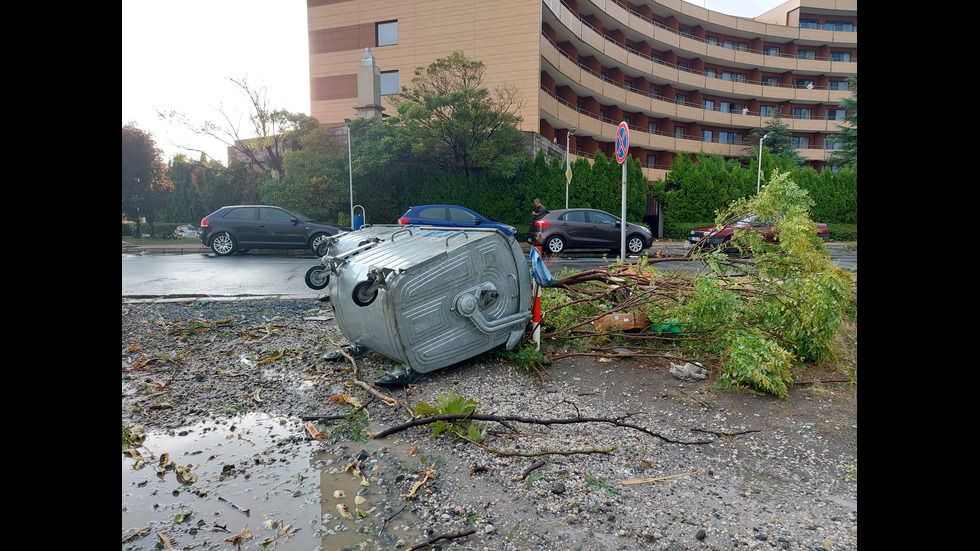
[(658, 479), (725, 434), (432, 540), (527, 471), (528, 420)]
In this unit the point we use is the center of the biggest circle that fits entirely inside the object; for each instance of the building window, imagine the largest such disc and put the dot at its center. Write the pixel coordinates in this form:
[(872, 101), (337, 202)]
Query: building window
[(732, 138), (387, 33), (737, 46), (706, 135), (602, 114), (655, 58), (681, 65), (678, 131), (627, 119), (729, 107), (651, 161), (801, 113), (713, 40), (770, 81), (840, 56), (835, 114), (680, 99), (770, 50), (837, 85), (389, 82), (708, 104), (628, 85), (806, 54), (734, 77), (809, 24), (765, 111), (800, 142), (651, 127), (710, 73), (830, 143), (804, 83), (684, 32), (838, 26)]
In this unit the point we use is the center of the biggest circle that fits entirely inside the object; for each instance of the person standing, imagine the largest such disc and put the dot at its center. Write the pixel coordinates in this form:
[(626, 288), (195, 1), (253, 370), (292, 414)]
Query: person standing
[(538, 209)]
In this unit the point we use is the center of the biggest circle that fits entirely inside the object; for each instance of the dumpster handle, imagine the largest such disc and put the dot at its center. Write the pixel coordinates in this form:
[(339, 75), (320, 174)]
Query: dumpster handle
[(392, 238), (468, 305), (454, 235)]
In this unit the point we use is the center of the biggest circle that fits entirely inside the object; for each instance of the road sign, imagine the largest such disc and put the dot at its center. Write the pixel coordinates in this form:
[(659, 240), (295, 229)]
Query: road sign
[(622, 142)]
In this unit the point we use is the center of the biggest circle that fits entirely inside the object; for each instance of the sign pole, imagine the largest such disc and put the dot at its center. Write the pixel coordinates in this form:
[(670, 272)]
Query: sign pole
[(622, 147), (536, 311)]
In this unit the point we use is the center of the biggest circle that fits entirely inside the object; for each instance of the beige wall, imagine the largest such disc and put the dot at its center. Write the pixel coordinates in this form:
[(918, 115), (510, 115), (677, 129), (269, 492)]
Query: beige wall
[(503, 34)]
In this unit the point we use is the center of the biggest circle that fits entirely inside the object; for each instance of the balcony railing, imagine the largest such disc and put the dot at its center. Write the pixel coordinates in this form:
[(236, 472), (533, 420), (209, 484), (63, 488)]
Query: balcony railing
[(660, 25), (653, 95)]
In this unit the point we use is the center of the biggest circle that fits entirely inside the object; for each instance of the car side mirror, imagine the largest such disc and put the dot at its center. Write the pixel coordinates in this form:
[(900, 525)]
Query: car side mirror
[(294, 220), (479, 221)]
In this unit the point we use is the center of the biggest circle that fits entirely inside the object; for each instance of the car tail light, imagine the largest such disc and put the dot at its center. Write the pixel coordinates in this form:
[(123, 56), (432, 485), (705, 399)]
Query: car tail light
[(403, 221), (542, 224), (205, 223)]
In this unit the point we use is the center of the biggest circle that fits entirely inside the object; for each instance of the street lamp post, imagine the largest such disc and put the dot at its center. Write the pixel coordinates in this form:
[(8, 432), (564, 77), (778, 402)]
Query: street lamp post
[(568, 165), (758, 180), (350, 173)]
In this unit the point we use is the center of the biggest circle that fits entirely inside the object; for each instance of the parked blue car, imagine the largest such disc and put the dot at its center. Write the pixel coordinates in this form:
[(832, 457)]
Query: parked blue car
[(452, 216)]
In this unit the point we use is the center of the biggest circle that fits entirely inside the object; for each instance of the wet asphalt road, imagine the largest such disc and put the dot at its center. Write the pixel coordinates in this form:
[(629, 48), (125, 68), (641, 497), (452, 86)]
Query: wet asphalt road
[(261, 273)]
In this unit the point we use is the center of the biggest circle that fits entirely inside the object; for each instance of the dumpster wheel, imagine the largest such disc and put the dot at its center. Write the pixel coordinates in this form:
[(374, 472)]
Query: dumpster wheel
[(317, 277), (364, 293)]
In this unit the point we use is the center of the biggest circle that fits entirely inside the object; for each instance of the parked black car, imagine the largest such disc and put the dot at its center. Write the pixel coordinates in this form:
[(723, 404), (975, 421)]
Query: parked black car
[(562, 229), (239, 228)]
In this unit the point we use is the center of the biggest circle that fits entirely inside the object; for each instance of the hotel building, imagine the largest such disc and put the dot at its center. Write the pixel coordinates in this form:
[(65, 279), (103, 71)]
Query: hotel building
[(685, 79)]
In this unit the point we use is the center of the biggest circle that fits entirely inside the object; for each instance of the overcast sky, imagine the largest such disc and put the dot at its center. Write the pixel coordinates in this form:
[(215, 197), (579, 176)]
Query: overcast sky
[(178, 56)]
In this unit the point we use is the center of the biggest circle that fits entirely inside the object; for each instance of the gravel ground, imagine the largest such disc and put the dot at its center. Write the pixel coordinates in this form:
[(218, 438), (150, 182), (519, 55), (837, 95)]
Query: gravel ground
[(710, 469)]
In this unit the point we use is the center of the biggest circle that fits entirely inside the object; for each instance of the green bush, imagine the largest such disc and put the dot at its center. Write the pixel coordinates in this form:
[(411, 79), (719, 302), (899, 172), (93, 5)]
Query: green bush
[(843, 232), (164, 230), (128, 227), (679, 231)]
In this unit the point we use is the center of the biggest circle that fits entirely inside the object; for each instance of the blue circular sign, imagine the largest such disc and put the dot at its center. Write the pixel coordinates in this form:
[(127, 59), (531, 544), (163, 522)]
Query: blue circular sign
[(622, 142)]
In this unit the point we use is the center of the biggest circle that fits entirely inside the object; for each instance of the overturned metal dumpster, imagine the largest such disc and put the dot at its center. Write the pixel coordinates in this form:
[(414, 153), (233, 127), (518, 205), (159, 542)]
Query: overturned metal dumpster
[(318, 276), (429, 297)]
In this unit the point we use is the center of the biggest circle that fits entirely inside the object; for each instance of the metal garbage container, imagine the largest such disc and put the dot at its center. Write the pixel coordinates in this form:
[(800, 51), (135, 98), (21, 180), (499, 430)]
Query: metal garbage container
[(430, 297), (318, 276)]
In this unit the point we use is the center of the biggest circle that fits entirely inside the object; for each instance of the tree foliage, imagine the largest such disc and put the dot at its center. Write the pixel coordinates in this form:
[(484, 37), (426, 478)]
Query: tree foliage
[(265, 138), (755, 320), (846, 154), (456, 123), (145, 183)]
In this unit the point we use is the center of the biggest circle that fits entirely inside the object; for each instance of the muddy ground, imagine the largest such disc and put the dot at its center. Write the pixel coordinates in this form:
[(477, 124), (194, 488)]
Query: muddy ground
[(689, 466)]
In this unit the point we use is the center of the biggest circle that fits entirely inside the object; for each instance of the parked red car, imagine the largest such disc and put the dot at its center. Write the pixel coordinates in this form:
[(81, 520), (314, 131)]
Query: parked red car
[(715, 236)]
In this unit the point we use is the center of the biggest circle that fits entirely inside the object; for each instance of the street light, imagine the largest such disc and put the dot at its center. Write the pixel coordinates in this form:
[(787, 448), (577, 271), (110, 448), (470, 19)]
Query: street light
[(350, 173), (568, 166), (758, 180)]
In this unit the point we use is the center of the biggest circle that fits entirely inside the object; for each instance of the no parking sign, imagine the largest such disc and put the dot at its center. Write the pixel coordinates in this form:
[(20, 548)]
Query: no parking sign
[(622, 142)]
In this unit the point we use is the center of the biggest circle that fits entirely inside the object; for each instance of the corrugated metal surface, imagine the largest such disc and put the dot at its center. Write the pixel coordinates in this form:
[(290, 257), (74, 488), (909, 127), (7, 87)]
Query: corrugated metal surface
[(442, 295)]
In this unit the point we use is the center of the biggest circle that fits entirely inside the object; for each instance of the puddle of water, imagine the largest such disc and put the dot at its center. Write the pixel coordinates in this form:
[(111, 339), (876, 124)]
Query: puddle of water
[(265, 478)]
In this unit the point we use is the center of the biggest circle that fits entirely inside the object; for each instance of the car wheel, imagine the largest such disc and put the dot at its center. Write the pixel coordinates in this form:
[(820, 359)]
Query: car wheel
[(319, 243), (554, 245), (634, 244), (223, 244), (317, 277), (361, 296)]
